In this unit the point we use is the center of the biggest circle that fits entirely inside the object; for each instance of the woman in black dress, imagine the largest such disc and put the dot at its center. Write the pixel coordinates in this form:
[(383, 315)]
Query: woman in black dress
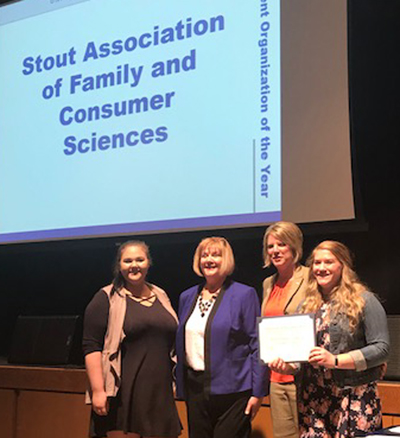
[(128, 336)]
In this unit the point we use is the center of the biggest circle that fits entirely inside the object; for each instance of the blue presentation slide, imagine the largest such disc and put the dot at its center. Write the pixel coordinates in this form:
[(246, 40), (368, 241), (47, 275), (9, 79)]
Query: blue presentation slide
[(120, 116)]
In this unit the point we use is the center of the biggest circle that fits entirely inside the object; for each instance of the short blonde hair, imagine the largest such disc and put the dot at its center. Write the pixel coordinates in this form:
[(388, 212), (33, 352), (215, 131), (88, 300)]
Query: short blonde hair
[(288, 233), (228, 260)]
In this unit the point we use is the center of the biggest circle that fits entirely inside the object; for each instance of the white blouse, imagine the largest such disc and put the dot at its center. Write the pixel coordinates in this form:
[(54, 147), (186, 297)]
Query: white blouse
[(194, 337)]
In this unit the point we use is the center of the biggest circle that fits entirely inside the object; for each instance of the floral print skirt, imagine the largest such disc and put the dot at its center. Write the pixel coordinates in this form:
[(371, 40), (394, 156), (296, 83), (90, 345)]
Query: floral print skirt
[(327, 411)]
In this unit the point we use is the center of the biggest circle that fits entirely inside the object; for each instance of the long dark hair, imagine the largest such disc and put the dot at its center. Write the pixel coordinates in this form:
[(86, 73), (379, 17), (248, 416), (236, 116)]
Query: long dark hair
[(118, 281)]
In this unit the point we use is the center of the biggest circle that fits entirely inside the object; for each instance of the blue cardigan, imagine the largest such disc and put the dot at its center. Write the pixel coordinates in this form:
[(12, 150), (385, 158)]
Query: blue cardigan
[(231, 342)]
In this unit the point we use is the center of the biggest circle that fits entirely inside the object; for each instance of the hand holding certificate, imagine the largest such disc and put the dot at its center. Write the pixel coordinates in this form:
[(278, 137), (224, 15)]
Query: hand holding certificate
[(289, 337)]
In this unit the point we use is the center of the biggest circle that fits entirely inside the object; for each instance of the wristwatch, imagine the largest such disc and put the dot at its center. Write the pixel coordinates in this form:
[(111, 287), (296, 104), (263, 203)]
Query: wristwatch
[(336, 362)]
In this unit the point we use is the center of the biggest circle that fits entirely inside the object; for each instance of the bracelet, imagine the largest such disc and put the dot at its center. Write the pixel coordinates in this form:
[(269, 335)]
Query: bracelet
[(336, 362)]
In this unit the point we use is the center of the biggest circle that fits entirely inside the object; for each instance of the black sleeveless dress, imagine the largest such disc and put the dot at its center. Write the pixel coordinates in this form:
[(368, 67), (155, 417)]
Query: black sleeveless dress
[(145, 403)]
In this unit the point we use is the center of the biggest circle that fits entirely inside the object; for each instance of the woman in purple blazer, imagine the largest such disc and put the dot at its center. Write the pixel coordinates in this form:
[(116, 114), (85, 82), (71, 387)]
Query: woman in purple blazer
[(218, 372)]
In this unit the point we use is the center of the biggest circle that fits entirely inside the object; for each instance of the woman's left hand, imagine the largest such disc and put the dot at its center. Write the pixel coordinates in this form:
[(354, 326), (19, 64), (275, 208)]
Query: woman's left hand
[(321, 357), (253, 405)]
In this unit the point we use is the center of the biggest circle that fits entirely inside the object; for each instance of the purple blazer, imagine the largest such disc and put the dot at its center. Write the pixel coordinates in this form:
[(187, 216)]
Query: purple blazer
[(231, 342)]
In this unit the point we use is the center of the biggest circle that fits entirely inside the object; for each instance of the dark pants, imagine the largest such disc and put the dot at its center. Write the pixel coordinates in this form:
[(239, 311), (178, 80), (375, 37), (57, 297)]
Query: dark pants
[(215, 416)]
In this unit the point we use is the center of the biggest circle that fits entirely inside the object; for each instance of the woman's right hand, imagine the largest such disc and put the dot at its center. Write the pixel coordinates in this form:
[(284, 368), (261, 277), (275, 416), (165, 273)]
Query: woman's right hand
[(280, 366), (100, 403)]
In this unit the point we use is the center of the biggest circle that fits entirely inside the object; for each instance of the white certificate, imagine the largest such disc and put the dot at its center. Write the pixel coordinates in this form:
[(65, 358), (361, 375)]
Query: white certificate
[(290, 337)]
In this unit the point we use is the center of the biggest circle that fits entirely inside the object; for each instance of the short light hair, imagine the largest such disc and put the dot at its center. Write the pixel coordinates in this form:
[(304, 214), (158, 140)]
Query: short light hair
[(220, 243), (288, 233)]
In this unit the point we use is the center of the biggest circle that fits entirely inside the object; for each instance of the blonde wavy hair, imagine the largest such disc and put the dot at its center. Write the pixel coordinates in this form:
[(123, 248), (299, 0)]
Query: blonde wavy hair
[(346, 297)]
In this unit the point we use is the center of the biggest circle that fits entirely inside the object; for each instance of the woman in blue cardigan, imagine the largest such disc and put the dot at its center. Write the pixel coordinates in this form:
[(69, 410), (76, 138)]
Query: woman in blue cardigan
[(218, 372), (337, 393)]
